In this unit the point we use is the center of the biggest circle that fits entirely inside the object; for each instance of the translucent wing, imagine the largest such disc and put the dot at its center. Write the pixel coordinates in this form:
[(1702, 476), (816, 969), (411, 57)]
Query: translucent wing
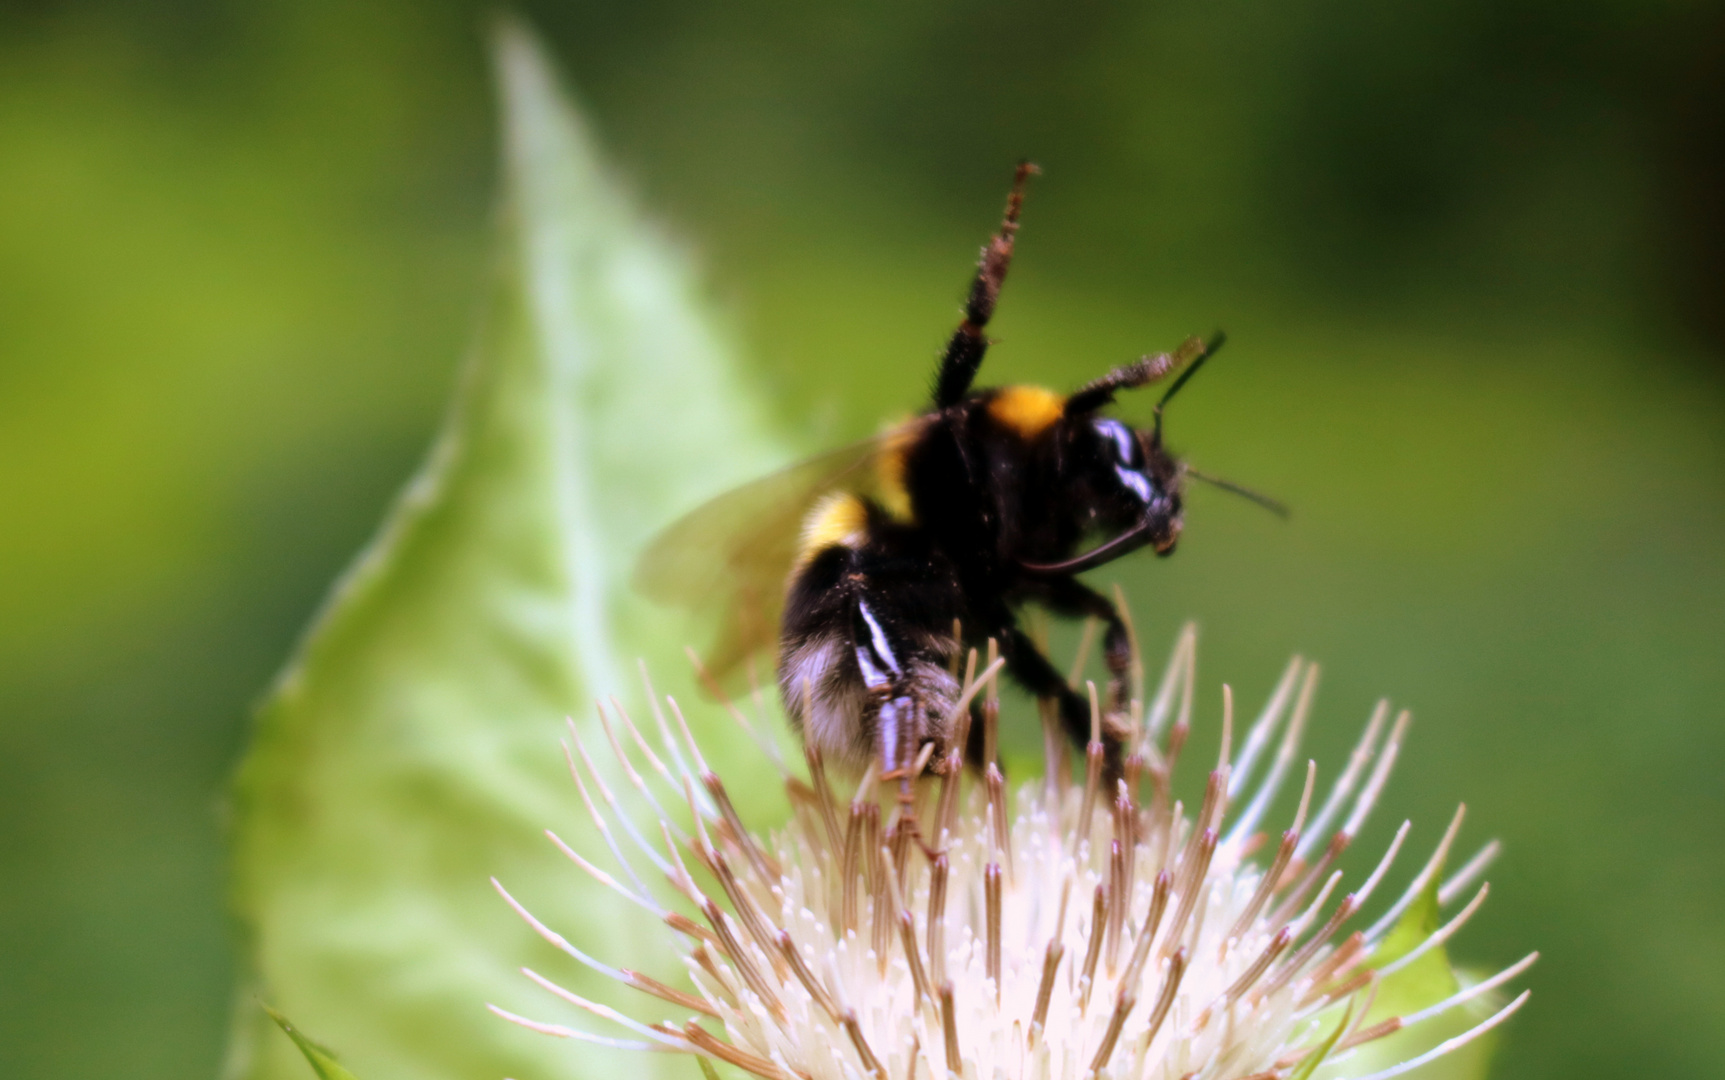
[(732, 555)]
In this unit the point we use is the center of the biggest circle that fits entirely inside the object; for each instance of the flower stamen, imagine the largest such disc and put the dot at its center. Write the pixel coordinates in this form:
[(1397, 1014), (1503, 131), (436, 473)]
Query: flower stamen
[(813, 930)]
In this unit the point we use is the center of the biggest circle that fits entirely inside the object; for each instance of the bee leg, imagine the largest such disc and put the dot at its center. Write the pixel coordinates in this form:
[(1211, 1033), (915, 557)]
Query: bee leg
[(908, 685), (1072, 598), (1038, 675), (1141, 372), (976, 737), (963, 354), (896, 728)]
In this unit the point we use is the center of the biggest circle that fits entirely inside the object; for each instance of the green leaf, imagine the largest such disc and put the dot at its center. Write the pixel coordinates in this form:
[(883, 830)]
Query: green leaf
[(1426, 981), (1310, 1063), (323, 1063), (410, 749)]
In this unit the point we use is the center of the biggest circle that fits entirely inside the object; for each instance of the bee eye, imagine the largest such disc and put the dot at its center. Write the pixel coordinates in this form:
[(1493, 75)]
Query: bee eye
[(1135, 482), (1115, 434)]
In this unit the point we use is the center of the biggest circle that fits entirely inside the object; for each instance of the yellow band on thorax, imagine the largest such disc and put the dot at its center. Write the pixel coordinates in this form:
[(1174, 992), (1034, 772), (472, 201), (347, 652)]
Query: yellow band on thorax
[(1027, 410)]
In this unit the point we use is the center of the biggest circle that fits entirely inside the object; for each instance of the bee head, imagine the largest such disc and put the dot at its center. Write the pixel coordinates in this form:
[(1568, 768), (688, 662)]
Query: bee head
[(1124, 481), (1133, 484)]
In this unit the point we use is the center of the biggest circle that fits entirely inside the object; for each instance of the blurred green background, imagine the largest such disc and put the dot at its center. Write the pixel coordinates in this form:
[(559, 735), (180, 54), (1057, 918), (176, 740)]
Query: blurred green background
[(1471, 257)]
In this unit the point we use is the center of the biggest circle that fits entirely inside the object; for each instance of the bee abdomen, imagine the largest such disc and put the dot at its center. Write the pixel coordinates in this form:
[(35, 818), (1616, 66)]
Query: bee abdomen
[(863, 671), (832, 705)]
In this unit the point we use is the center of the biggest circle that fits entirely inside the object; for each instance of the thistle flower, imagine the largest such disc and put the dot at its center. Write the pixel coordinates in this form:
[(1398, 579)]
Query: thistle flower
[(1080, 932)]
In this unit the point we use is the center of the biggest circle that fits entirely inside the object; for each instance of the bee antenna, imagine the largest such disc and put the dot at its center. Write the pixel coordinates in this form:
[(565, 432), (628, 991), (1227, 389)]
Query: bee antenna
[(1216, 341), (1275, 507)]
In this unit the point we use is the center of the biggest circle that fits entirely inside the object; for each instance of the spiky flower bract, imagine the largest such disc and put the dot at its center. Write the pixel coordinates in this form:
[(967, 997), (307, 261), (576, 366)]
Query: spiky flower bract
[(924, 928)]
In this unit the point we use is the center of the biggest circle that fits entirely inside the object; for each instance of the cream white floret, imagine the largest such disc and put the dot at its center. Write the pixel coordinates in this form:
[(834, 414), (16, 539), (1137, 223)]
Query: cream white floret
[(920, 928)]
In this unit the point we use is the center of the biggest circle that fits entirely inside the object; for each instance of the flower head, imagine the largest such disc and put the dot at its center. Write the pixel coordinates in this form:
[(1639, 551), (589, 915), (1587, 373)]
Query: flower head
[(923, 926)]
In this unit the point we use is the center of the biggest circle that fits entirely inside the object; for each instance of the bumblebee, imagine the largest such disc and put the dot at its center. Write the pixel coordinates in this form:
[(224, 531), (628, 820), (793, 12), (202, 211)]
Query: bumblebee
[(868, 557)]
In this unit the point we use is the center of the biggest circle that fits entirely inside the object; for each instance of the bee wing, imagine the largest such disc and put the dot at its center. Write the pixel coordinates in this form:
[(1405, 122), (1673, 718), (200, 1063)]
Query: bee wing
[(733, 554)]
